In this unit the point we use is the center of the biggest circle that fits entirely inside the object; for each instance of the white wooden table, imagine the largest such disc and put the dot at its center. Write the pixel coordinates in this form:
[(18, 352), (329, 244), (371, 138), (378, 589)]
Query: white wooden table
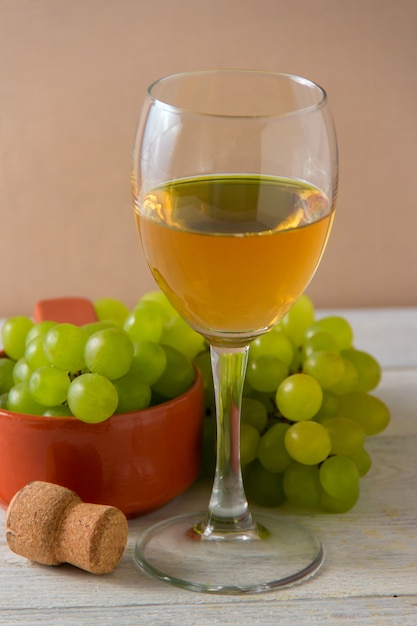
[(370, 573)]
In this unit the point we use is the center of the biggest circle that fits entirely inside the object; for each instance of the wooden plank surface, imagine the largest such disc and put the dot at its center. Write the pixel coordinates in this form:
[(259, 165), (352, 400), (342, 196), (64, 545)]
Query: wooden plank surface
[(369, 576)]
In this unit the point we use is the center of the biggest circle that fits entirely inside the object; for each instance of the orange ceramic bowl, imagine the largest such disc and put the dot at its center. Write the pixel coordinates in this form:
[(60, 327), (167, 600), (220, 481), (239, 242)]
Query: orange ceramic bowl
[(135, 461)]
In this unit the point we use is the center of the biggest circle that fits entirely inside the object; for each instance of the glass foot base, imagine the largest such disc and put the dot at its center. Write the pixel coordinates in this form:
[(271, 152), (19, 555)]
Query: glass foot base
[(286, 554)]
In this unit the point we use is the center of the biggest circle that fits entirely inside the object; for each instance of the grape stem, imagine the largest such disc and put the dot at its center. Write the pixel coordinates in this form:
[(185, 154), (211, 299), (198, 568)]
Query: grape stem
[(228, 515)]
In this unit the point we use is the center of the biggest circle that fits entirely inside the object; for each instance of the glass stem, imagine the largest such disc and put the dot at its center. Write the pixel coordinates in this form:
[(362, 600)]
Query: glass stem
[(228, 511)]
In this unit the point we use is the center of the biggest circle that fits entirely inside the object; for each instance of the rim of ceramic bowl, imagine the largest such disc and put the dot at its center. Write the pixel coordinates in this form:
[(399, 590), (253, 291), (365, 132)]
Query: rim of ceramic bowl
[(70, 419)]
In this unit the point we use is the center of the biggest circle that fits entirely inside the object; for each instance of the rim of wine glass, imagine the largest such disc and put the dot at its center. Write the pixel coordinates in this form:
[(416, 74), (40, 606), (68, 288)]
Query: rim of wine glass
[(292, 77)]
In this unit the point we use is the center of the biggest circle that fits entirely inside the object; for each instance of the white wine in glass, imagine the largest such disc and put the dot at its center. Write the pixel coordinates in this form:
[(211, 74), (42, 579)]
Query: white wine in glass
[(234, 181)]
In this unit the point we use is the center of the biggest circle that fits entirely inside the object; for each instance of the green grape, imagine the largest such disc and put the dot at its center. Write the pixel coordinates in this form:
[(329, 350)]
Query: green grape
[(296, 363), (308, 442), (274, 343), (166, 309), (329, 407), (254, 413), (320, 342), (49, 385), (302, 485), (337, 326), (6, 374), (272, 453), (264, 398), (368, 369), (266, 373), (347, 435), (298, 319), (203, 362), (178, 376), (362, 460), (179, 335), (368, 410), (339, 477), (210, 430), (149, 361), (13, 335), (263, 487), (35, 356), (41, 328), (155, 308), (109, 352), (338, 505), (20, 400), (111, 309), (143, 323), (61, 410), (208, 453), (348, 381), (134, 394), (64, 347), (92, 398), (94, 327), (4, 401), (327, 368), (299, 397), (249, 443), (21, 371)]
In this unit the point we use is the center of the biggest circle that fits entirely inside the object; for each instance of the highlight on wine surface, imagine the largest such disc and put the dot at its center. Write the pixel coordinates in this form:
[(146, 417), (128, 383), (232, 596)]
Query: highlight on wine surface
[(234, 182)]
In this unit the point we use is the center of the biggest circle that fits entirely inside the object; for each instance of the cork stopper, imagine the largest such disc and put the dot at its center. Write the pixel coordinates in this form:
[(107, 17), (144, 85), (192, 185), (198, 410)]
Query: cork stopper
[(50, 524)]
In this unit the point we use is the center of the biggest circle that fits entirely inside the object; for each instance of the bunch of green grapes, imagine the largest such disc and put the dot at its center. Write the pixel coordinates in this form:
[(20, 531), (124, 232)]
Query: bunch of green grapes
[(307, 410), (125, 361), (307, 413)]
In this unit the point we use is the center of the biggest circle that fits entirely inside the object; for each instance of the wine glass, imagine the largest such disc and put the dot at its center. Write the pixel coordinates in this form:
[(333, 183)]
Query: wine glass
[(234, 182)]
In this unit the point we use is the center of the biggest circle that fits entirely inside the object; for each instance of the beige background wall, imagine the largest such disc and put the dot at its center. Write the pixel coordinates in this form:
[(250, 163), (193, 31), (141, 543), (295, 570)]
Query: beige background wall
[(72, 78)]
